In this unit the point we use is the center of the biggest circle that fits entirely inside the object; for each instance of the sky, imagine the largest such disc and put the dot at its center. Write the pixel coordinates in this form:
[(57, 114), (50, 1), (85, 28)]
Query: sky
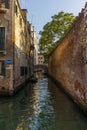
[(40, 11)]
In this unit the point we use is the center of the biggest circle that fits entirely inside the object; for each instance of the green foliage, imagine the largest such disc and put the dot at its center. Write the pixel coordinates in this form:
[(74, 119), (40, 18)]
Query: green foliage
[(54, 30)]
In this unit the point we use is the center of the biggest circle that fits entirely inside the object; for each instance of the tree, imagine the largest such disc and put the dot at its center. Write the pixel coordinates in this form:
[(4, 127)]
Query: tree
[(55, 30)]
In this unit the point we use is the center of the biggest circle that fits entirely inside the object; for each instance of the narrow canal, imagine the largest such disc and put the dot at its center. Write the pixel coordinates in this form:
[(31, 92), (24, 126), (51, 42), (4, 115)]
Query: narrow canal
[(40, 106)]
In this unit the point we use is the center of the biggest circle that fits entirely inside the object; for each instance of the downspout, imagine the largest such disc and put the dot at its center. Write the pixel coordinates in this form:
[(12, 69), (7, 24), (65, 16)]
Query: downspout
[(13, 38)]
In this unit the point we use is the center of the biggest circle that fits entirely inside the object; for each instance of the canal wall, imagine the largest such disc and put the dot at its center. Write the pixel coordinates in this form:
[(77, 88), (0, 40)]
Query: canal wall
[(68, 62)]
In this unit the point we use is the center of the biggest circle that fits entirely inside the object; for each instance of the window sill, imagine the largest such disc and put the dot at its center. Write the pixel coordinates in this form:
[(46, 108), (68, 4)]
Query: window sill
[(3, 51), (3, 10), (1, 76)]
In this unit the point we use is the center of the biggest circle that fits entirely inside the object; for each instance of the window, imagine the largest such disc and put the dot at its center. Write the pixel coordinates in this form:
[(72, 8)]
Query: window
[(2, 38), (26, 70), (2, 67), (6, 3), (21, 22), (23, 71), (25, 33), (15, 8)]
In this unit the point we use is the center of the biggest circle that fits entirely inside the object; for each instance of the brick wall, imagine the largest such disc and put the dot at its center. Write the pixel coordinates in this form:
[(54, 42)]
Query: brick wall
[(68, 62)]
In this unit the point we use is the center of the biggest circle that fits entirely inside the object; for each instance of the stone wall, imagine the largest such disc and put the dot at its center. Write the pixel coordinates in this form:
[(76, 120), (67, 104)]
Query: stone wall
[(68, 62)]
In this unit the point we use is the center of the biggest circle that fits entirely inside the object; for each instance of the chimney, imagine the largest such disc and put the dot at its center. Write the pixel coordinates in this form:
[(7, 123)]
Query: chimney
[(24, 11)]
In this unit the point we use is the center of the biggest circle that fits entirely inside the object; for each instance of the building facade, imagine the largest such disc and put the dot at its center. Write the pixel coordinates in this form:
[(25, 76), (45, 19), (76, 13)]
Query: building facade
[(31, 51), (15, 45), (36, 41), (40, 59)]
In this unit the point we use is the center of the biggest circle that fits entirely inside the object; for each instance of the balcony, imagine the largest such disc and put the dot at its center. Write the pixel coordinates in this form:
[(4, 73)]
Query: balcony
[(2, 7)]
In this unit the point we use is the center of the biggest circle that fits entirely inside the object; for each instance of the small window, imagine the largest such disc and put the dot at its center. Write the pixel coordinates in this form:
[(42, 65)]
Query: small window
[(21, 22), (26, 70), (22, 71), (6, 3), (25, 33), (15, 8), (2, 67), (2, 38)]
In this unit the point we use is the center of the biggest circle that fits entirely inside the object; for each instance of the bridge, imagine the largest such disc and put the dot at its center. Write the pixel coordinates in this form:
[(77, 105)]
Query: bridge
[(41, 67)]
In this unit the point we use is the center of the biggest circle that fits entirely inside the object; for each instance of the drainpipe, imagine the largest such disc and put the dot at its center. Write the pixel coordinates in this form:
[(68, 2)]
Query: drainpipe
[(13, 38)]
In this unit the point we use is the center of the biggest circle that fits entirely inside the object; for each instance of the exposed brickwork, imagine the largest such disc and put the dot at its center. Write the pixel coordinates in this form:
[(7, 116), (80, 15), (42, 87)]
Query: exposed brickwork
[(68, 62)]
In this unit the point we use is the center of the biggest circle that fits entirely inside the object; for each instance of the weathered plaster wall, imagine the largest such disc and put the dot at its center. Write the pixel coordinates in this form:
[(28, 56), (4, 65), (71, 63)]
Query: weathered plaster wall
[(16, 50), (68, 62), (19, 45), (6, 21), (21, 48)]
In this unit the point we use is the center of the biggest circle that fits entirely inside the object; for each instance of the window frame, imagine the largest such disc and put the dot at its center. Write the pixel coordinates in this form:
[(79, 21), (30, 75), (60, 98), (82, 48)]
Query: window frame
[(7, 3), (3, 38)]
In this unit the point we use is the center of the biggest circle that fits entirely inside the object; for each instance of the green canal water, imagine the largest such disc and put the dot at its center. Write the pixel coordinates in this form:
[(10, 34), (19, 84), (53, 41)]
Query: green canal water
[(40, 106)]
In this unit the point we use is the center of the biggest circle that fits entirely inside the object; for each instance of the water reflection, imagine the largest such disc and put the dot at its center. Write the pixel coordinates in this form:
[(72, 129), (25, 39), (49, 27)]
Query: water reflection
[(68, 115), (40, 106)]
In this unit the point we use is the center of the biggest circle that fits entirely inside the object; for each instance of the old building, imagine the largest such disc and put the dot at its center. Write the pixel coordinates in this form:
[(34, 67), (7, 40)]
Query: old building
[(36, 41), (15, 46), (31, 52), (40, 59)]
